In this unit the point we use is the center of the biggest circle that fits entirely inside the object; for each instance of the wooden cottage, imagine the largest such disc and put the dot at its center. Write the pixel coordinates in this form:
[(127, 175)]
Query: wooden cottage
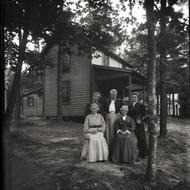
[(32, 103), (82, 75)]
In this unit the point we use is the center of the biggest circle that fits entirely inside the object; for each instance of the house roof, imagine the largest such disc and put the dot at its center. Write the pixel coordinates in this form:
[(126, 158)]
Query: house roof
[(116, 57), (112, 68), (36, 91)]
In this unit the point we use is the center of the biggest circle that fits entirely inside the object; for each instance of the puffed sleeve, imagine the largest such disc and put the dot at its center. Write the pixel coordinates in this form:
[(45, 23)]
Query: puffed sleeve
[(133, 126), (86, 124), (103, 125)]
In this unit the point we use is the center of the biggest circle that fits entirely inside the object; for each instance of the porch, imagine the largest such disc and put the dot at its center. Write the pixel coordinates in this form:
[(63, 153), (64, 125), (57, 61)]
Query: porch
[(124, 81)]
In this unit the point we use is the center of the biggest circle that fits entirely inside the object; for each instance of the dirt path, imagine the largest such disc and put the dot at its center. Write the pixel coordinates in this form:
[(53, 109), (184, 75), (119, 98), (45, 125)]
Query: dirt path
[(45, 155)]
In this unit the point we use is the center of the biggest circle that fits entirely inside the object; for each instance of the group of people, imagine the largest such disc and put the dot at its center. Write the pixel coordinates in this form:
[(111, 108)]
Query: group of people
[(114, 131)]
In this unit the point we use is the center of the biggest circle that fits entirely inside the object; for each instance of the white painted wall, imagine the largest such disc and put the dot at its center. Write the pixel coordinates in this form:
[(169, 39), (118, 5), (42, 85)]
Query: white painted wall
[(99, 60), (114, 63)]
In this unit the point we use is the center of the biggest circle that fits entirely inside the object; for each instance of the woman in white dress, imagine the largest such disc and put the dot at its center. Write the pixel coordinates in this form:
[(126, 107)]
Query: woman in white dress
[(95, 147)]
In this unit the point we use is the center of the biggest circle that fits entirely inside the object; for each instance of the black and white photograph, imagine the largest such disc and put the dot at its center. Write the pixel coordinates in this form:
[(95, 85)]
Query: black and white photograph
[(95, 94)]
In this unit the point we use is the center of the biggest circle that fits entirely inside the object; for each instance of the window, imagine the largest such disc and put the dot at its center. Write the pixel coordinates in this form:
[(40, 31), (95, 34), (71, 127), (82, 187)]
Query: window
[(66, 92), (66, 62), (105, 60), (30, 101)]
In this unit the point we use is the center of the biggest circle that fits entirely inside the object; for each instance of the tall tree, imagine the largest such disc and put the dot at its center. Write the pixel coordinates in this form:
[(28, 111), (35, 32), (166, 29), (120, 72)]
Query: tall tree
[(169, 23), (151, 166), (170, 42), (24, 18), (163, 96)]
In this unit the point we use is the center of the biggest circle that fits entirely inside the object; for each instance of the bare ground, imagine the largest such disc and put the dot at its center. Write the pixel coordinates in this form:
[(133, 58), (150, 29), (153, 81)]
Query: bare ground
[(44, 155)]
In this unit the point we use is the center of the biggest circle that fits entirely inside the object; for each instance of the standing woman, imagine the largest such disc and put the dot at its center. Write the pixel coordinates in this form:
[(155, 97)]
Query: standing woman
[(96, 98), (137, 112), (95, 146), (111, 109)]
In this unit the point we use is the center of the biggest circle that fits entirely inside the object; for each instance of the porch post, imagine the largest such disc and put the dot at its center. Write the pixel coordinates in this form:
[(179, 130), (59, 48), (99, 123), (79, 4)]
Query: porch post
[(130, 87), (91, 82)]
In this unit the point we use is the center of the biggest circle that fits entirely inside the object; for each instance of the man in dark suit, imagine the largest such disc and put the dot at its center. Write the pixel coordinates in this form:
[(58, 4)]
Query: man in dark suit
[(111, 112), (137, 112)]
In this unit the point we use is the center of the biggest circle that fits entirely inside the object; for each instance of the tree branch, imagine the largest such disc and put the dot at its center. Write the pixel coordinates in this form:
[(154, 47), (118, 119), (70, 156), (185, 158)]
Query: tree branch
[(159, 11), (157, 8)]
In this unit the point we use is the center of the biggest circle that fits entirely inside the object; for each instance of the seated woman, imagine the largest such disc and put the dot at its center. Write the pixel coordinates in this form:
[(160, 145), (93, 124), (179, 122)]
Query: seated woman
[(125, 144), (95, 147)]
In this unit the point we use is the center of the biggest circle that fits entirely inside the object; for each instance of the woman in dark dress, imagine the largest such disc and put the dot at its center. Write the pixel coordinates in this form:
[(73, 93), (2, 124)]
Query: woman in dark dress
[(125, 144), (137, 112)]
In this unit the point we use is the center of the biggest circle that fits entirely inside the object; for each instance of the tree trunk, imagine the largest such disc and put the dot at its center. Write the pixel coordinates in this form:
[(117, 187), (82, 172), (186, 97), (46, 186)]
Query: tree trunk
[(157, 105), (59, 83), (188, 94), (163, 98), (151, 165), (168, 104), (189, 77), (16, 81), (18, 106), (173, 103)]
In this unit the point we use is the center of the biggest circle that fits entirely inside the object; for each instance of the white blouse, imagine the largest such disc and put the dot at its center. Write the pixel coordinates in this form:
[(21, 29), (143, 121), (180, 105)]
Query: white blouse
[(112, 106)]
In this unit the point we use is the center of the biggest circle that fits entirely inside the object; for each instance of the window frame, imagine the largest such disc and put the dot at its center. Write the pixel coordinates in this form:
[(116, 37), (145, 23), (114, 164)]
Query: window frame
[(66, 65), (105, 60), (68, 85), (29, 102)]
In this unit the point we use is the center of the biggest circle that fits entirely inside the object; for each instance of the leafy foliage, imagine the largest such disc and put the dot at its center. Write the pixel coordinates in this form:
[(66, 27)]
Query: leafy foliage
[(176, 43)]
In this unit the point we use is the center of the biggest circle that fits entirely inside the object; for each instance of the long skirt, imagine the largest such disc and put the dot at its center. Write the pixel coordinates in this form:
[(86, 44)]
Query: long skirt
[(94, 148), (125, 149), (109, 131), (141, 140)]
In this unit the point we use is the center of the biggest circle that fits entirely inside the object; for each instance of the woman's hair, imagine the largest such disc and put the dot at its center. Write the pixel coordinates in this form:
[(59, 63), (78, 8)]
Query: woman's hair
[(94, 105), (97, 93), (113, 91), (123, 107), (135, 93)]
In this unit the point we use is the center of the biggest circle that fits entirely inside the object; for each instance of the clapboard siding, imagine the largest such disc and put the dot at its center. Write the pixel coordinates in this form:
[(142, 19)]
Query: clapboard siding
[(50, 89), (79, 77), (80, 85)]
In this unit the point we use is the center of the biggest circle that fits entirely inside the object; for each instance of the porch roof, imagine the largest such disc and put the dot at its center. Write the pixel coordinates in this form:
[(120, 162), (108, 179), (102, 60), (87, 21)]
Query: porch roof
[(36, 91), (105, 71)]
